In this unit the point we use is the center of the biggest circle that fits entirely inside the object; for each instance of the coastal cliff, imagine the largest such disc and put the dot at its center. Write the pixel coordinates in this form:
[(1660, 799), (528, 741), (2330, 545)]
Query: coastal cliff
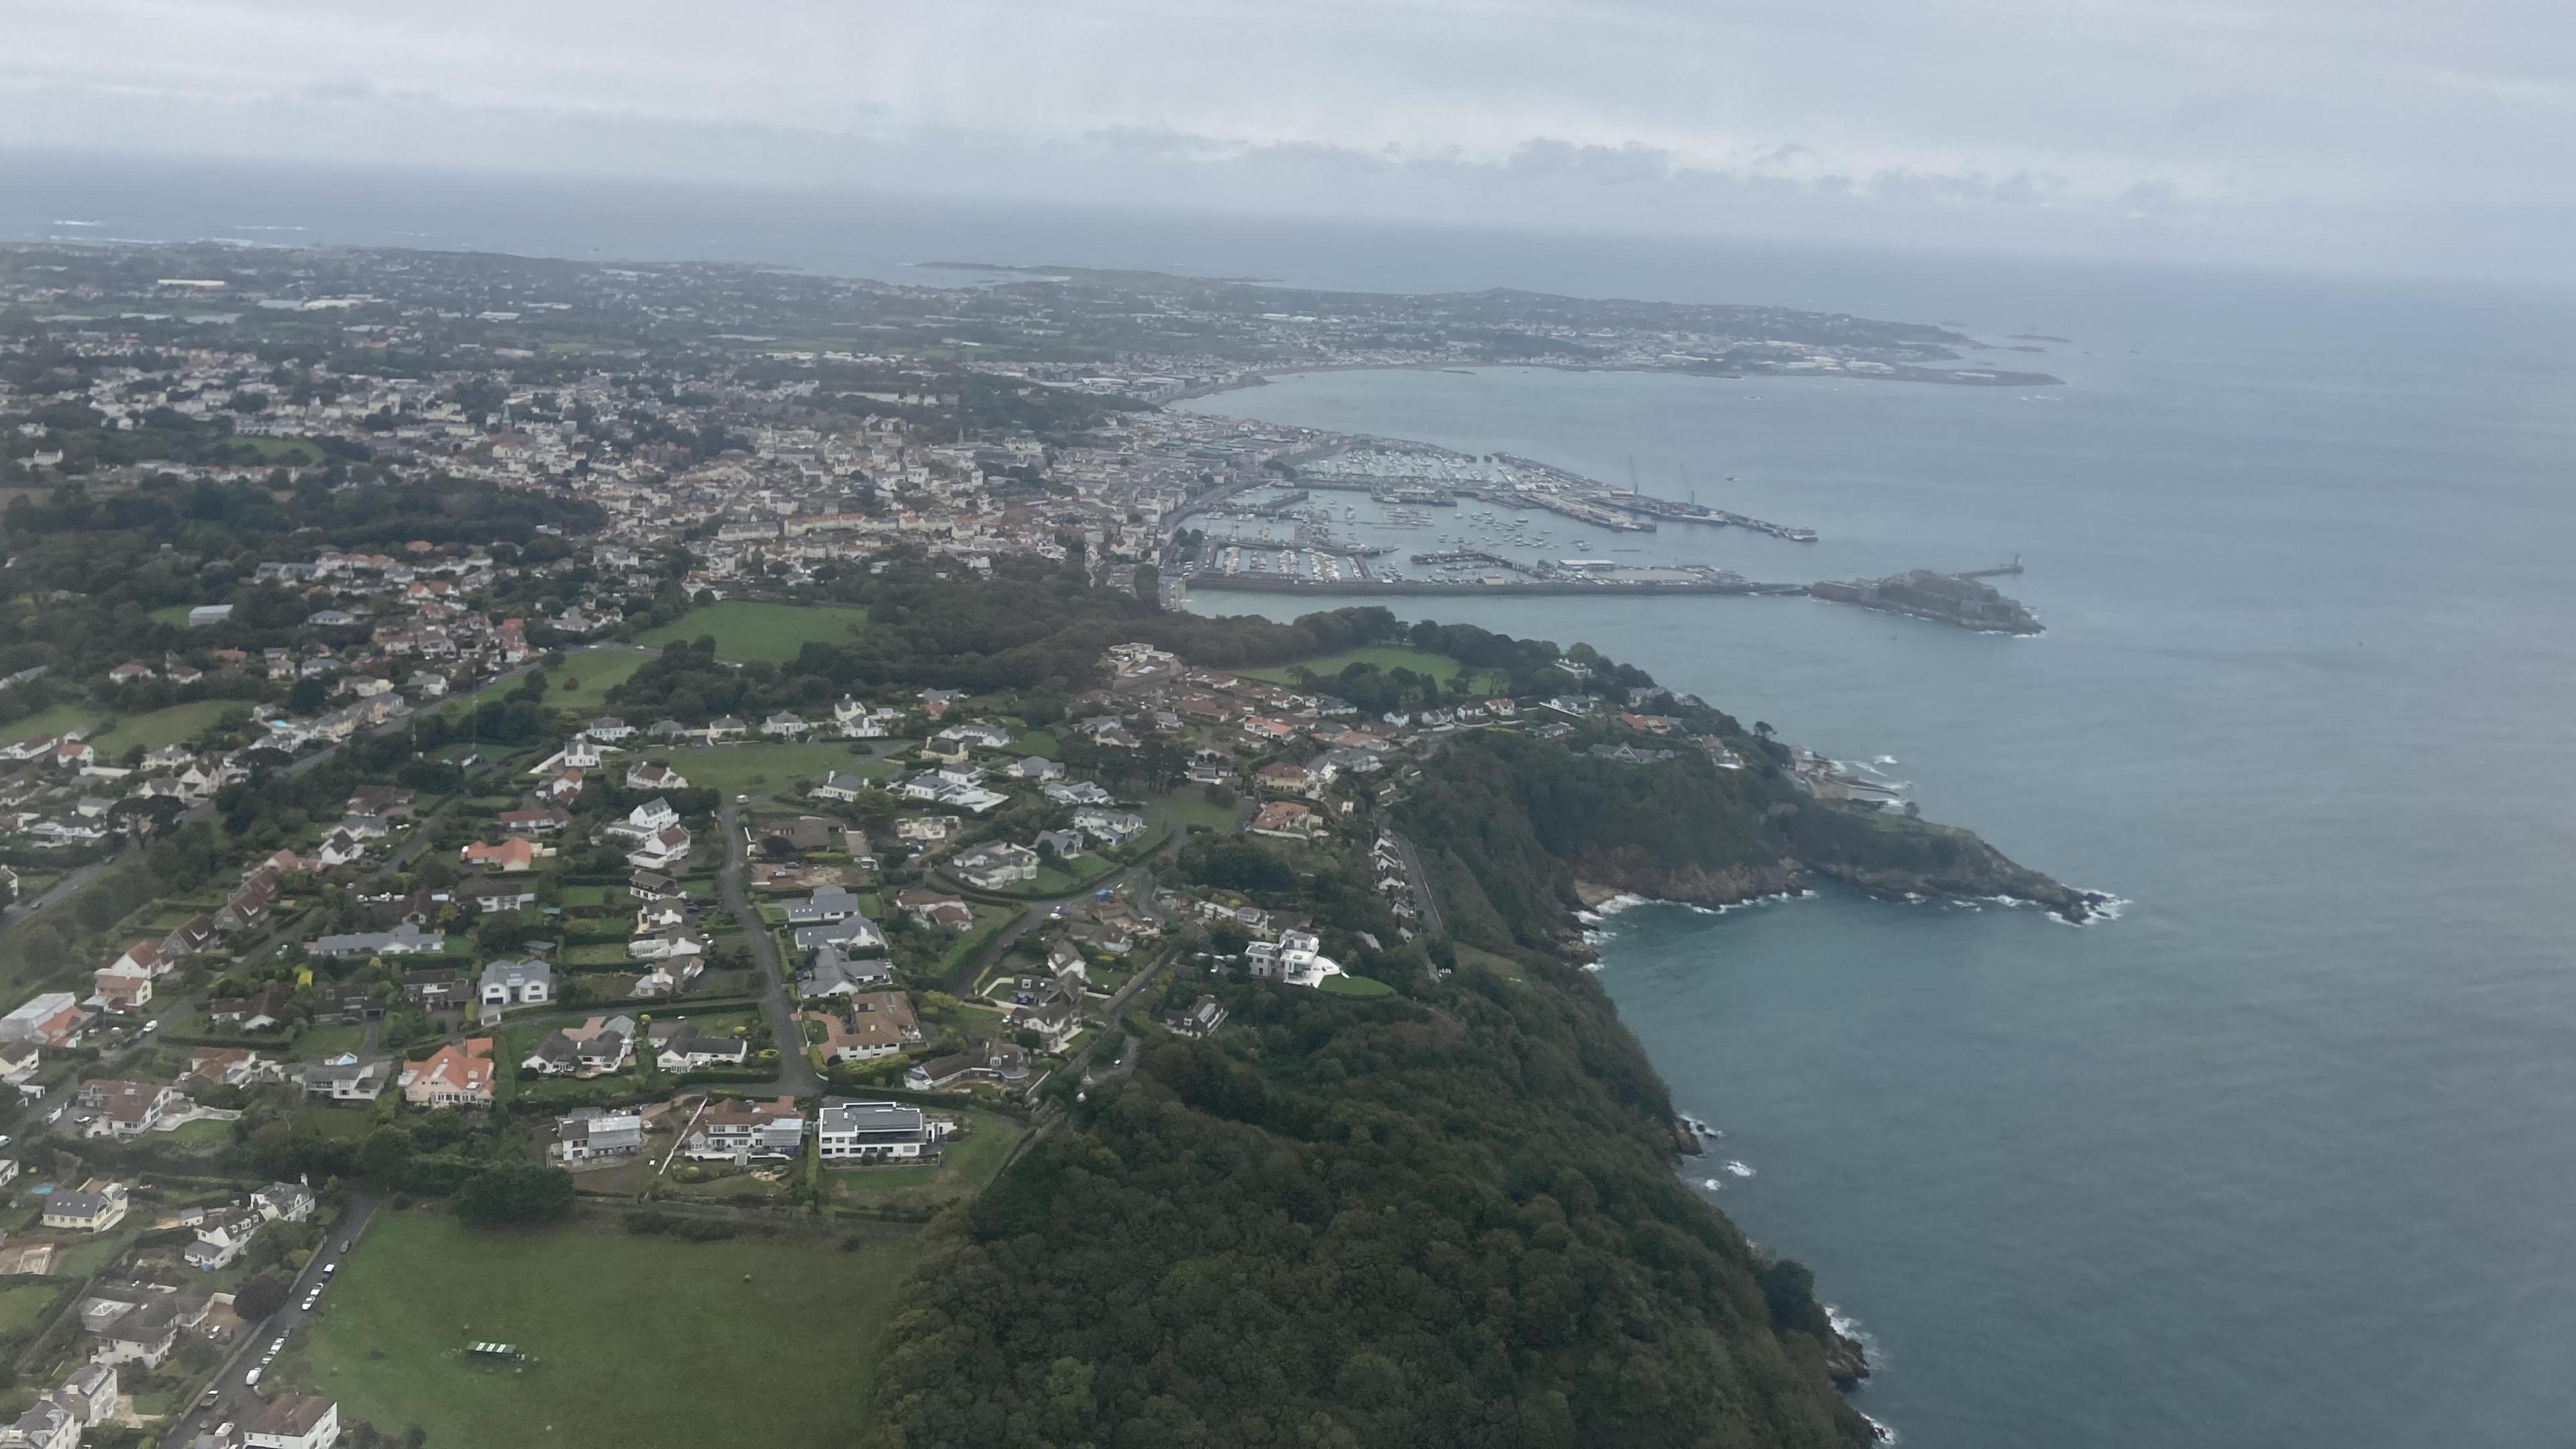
[(1518, 828), (1879, 857)]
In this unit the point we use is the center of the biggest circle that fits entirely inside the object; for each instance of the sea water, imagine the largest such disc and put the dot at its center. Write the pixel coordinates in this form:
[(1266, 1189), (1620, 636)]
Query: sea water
[(2281, 1156)]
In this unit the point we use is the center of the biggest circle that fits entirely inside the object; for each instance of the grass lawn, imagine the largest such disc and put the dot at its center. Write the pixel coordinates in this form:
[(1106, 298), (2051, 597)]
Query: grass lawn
[(174, 615), (21, 1304), (633, 1341), (200, 1135), (1191, 806), (582, 684), (175, 725), (733, 1186), (45, 724), (758, 769), (84, 1258), (1065, 876), (966, 1164), (1356, 986), (585, 679), (1387, 657), (989, 922), (745, 630), (294, 452), (1503, 966), (323, 1042), (1037, 742)]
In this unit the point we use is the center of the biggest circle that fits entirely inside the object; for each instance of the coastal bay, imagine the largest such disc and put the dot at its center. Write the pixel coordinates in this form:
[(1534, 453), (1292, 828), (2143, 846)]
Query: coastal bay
[(2257, 1162)]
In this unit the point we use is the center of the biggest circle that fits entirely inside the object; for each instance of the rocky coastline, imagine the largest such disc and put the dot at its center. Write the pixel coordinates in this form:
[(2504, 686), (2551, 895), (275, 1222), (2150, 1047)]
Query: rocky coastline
[(1929, 862)]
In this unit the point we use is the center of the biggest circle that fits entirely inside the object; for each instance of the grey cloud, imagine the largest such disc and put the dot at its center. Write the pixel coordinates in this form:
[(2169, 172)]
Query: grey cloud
[(1607, 165), (2301, 130)]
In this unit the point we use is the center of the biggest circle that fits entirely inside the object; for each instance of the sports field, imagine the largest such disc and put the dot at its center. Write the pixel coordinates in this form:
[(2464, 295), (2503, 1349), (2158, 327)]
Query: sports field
[(631, 1341)]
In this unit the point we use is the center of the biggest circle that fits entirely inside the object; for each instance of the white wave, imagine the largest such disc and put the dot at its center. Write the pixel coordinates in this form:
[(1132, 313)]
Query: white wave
[(1712, 1184), (1738, 1168), (63, 221), (1588, 918), (1881, 1432), (2108, 909), (1884, 760)]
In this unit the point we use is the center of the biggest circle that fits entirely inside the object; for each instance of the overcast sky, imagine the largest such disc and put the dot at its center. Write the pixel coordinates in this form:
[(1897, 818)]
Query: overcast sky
[(2417, 135)]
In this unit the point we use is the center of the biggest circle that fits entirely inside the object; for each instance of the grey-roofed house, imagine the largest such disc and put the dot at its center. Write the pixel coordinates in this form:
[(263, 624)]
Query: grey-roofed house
[(591, 1134), (847, 1131), (833, 974), (403, 940), (517, 983), (345, 1078), (990, 1062), (45, 1425), (826, 905), (857, 933)]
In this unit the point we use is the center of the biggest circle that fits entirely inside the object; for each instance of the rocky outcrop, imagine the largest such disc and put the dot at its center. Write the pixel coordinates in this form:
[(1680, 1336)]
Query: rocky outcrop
[(1845, 1360), (1872, 851), (1892, 855), (1942, 598)]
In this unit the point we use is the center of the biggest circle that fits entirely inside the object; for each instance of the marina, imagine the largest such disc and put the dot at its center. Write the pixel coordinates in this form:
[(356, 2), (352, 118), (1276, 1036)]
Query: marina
[(1438, 522)]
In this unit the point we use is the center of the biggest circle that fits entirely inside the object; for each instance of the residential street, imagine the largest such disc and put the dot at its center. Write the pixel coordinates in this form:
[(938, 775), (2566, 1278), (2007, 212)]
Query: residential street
[(796, 1074), (235, 1401)]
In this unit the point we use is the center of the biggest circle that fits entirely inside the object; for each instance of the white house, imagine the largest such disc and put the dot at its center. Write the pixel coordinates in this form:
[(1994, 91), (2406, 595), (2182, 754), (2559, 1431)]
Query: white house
[(293, 1421), (847, 1131), (661, 850), (517, 983), (654, 775)]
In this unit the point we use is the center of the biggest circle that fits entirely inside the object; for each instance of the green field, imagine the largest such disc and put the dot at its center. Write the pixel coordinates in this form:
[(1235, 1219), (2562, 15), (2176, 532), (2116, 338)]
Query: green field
[(1037, 742), (1062, 878), (21, 1304), (989, 922), (47, 723), (1387, 657), (585, 679), (1361, 987), (758, 769), (581, 685), (633, 1341), (176, 725), (745, 630), (1191, 806), (292, 452), (321, 1043)]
